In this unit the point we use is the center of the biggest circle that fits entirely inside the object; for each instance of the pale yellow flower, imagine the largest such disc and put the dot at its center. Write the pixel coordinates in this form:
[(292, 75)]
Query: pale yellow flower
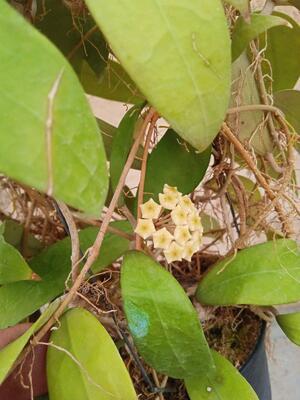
[(171, 189), (186, 203), (168, 200), (150, 209), (182, 234), (189, 250), (162, 239), (145, 228), (194, 222), (179, 216), (197, 239), (174, 252)]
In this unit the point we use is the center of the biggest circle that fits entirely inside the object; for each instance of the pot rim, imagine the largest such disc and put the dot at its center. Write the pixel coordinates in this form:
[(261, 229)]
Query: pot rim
[(259, 341)]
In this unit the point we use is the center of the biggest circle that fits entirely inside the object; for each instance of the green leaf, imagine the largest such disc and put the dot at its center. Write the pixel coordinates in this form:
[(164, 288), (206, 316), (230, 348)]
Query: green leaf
[(122, 143), (113, 246), (176, 163), (288, 101), (209, 223), (247, 125), (164, 324), (290, 324), (227, 384), (242, 6), (244, 32), (59, 149), (184, 70), (14, 234), (22, 298), (13, 267), (9, 354), (283, 41), (113, 84), (75, 35), (86, 363), (54, 263), (108, 131), (265, 274)]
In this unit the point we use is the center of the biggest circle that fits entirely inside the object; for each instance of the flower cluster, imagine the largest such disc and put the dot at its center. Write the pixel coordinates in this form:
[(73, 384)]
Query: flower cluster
[(174, 225)]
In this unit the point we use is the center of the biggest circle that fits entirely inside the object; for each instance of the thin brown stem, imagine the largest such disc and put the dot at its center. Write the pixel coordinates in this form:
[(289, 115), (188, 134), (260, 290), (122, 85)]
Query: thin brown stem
[(75, 243), (81, 42), (94, 250), (260, 178), (254, 107), (143, 176)]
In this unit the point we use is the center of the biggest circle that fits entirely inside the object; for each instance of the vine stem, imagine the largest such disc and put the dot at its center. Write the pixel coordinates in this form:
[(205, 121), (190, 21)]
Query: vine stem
[(260, 178), (75, 256), (95, 249), (254, 107), (143, 176)]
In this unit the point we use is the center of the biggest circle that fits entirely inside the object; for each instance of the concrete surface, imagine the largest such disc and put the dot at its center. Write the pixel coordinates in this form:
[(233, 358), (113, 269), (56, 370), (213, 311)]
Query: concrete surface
[(284, 366)]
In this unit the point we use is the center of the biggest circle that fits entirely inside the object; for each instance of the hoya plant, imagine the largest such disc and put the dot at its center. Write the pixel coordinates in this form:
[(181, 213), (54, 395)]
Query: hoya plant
[(145, 260)]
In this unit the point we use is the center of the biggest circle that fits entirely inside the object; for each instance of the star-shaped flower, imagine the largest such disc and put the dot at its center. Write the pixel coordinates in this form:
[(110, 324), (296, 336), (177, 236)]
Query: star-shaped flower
[(186, 203), (182, 234), (168, 200), (144, 228), (189, 250), (197, 239), (174, 252), (171, 189), (150, 209), (179, 216), (194, 222), (162, 239)]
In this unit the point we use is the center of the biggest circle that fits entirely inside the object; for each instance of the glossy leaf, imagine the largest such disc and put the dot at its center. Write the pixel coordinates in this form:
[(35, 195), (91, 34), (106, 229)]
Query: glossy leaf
[(188, 49), (113, 84), (288, 101), (244, 32), (122, 143), (9, 354), (86, 363), (163, 323), (59, 149), (290, 324), (282, 41), (264, 274), (176, 163), (75, 35), (20, 299), (227, 384), (13, 267), (247, 125)]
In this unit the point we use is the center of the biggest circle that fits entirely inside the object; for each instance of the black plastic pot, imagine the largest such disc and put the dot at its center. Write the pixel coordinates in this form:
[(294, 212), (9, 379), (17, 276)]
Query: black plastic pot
[(256, 371)]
